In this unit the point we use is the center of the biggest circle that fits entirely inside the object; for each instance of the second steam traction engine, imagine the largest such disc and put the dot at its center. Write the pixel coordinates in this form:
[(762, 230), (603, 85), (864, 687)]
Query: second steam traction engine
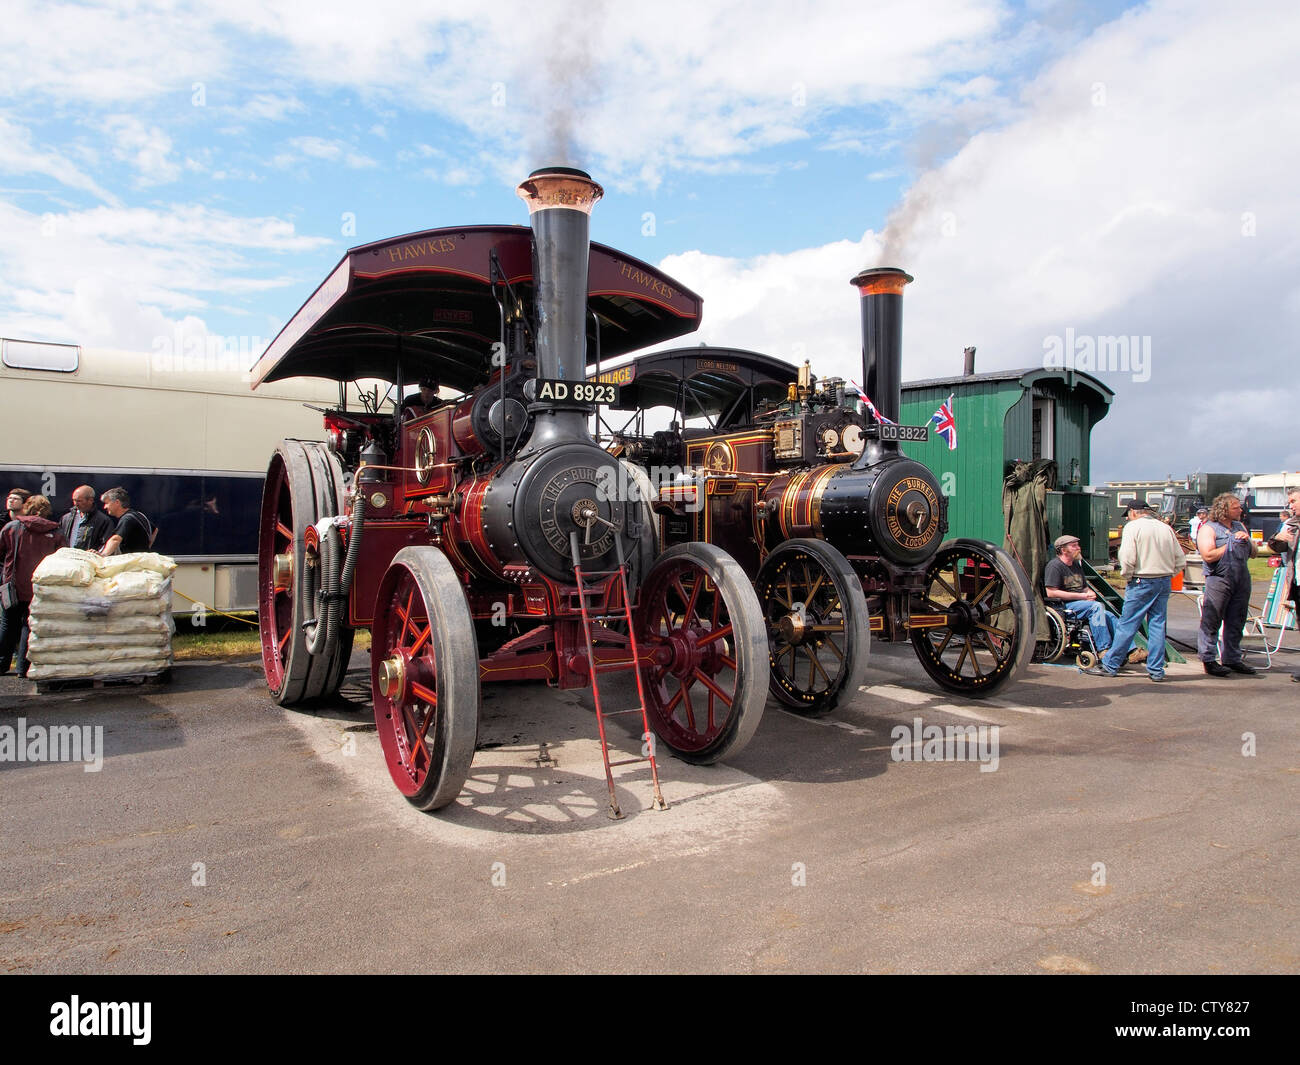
[(486, 539), (816, 497)]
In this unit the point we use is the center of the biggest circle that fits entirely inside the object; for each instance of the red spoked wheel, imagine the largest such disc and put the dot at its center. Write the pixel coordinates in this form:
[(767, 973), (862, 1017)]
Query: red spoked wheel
[(703, 650), (304, 483), (818, 625), (424, 671), (989, 636)]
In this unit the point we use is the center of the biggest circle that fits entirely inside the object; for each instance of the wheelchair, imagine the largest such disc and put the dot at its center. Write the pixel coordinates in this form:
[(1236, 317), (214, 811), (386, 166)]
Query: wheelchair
[(1068, 634)]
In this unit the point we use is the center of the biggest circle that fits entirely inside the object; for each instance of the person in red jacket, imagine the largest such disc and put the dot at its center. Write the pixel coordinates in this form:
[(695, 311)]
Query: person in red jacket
[(23, 544)]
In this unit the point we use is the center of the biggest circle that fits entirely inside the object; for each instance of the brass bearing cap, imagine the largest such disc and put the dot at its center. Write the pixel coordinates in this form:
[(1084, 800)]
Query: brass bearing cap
[(392, 676), (282, 570), (793, 628)]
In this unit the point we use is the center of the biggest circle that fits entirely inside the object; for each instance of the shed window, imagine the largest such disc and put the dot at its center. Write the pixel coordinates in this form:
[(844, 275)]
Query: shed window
[(1044, 412)]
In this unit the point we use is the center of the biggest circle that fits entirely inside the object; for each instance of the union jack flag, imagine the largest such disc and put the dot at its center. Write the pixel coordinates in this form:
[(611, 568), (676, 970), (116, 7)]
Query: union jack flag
[(945, 423), (872, 407)]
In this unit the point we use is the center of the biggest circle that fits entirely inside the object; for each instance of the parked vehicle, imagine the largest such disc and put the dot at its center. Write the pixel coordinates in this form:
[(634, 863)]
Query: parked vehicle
[(179, 430)]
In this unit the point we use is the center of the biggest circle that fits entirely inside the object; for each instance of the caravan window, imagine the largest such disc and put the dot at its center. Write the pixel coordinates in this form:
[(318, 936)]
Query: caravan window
[(1043, 414), (31, 355)]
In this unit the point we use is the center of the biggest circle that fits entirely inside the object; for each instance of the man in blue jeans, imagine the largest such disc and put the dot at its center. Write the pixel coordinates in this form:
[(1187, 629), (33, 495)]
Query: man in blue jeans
[(1149, 556)]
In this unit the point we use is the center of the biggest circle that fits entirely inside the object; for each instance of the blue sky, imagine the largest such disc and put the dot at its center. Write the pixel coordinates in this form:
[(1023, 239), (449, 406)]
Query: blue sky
[(1110, 169)]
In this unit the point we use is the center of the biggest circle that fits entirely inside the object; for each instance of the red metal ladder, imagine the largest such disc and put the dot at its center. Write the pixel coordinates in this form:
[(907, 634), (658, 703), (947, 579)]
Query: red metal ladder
[(647, 737)]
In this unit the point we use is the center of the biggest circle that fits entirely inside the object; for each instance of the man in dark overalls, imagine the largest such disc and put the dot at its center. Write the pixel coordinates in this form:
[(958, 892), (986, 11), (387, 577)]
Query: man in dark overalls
[(1225, 546)]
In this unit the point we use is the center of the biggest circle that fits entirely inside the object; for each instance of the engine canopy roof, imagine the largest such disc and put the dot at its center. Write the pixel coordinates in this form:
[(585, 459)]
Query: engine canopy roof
[(427, 298), (724, 385)]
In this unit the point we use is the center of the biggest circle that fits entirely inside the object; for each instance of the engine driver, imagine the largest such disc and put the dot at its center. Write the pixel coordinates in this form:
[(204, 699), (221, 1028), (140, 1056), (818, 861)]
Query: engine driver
[(416, 406)]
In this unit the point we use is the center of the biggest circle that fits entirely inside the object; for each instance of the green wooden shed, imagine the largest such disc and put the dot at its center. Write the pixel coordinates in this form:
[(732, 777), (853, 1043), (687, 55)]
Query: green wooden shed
[(1005, 416)]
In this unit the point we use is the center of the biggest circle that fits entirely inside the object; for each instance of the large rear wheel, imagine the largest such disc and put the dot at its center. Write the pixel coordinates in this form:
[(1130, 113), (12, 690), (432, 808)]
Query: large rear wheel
[(818, 626), (703, 650), (988, 638), (424, 672), (304, 483)]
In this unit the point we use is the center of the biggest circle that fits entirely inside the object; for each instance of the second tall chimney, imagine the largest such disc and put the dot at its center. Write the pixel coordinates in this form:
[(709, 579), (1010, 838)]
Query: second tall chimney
[(882, 336)]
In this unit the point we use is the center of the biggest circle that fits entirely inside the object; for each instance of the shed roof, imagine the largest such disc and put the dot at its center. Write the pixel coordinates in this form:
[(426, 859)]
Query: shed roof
[(1028, 377)]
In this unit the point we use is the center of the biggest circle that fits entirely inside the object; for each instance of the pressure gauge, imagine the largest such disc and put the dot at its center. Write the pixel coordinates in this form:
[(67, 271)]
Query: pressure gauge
[(853, 439)]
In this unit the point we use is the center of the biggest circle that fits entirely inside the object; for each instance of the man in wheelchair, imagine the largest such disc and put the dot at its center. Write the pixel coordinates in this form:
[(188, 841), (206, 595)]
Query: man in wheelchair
[(1068, 592)]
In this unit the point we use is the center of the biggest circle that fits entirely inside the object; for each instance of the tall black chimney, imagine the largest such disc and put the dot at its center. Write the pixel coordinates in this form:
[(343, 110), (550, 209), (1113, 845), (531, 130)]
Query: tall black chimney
[(559, 201), (882, 336)]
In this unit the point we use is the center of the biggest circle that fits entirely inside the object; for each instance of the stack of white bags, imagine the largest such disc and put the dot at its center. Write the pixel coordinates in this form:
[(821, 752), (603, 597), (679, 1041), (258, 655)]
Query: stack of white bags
[(93, 616)]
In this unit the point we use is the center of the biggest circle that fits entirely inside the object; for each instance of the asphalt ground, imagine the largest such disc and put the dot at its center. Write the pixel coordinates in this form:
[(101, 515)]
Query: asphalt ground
[(1129, 827)]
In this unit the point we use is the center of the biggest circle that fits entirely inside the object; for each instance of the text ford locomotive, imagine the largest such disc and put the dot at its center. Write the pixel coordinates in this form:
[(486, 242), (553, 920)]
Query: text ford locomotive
[(478, 540), (816, 497)]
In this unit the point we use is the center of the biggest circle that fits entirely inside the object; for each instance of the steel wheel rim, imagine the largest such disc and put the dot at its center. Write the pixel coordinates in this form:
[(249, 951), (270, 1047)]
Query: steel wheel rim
[(801, 579), (687, 640), (275, 605), (407, 720), (978, 643)]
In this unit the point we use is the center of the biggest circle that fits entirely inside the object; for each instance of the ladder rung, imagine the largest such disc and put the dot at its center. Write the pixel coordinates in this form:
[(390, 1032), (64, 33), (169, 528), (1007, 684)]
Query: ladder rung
[(614, 667), (586, 585)]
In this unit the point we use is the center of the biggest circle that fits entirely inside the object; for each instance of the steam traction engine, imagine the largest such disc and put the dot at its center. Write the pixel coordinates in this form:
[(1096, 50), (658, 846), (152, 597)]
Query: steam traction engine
[(480, 540), (817, 498)]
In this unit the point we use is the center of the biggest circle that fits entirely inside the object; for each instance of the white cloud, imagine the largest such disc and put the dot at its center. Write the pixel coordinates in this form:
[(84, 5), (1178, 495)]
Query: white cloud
[(1106, 194), (117, 277), (270, 107), (795, 306), (1122, 219), (147, 149), (18, 155), (332, 151), (635, 94), (108, 56)]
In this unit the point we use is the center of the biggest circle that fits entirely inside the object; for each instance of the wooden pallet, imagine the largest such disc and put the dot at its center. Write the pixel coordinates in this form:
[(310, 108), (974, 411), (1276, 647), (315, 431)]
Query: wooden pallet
[(124, 680)]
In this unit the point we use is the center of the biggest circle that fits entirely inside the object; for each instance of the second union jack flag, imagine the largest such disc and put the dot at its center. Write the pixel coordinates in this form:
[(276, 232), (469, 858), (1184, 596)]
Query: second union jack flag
[(945, 423)]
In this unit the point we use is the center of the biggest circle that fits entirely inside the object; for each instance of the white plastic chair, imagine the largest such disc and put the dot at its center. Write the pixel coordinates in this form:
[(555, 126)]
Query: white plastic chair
[(1277, 613)]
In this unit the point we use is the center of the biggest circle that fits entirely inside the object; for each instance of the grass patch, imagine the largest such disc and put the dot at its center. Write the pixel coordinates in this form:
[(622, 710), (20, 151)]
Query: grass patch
[(1258, 568), (190, 644)]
